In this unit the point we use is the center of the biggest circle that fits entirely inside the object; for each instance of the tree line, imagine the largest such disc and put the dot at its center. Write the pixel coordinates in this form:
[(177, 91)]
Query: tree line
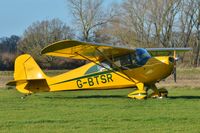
[(135, 23), (35, 38)]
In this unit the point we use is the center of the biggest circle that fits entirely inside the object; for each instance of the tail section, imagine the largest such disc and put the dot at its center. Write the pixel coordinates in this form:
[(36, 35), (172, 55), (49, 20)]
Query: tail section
[(27, 68), (28, 77)]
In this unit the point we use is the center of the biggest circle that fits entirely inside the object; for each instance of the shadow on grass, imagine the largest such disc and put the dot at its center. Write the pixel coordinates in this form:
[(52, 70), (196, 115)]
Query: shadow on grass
[(102, 96), (184, 97), (87, 97)]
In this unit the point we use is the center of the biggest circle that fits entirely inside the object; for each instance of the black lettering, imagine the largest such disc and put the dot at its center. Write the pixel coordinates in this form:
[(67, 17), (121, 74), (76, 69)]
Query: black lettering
[(96, 77), (84, 82), (109, 77), (79, 83), (103, 78), (90, 82)]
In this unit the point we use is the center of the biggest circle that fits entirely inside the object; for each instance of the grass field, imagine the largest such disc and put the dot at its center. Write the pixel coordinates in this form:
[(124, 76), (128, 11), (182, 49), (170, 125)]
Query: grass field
[(99, 111), (102, 111)]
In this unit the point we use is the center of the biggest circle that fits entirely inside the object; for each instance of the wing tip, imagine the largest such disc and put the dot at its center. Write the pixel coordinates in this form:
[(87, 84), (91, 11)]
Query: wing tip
[(51, 47)]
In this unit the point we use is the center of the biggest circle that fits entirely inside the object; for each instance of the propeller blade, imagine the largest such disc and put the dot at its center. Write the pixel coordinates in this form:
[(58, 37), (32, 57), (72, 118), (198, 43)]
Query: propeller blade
[(175, 59), (175, 74)]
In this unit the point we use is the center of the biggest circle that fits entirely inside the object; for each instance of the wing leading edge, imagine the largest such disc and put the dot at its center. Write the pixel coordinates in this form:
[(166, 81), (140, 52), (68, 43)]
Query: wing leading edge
[(96, 51), (166, 51), (93, 51)]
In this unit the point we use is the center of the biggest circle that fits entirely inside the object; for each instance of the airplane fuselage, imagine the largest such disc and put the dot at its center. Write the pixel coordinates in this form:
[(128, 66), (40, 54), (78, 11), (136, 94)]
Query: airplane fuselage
[(156, 69)]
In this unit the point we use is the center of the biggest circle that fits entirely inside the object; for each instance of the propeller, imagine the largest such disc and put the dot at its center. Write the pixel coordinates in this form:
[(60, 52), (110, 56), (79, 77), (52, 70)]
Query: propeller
[(174, 73), (174, 69)]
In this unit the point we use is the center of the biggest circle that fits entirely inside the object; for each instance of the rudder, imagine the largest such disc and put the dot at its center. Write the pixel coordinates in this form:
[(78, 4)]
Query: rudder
[(27, 68), (28, 76)]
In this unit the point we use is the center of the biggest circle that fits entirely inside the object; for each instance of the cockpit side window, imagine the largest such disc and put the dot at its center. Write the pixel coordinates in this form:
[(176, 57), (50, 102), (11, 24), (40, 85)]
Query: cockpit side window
[(132, 60), (125, 61), (104, 66)]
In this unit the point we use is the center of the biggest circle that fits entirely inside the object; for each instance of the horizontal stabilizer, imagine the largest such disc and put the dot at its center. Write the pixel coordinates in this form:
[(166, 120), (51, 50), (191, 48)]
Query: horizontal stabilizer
[(17, 82)]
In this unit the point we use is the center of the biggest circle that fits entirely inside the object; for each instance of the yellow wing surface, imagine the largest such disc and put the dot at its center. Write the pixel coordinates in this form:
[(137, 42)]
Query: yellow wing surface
[(75, 50), (166, 51), (97, 51)]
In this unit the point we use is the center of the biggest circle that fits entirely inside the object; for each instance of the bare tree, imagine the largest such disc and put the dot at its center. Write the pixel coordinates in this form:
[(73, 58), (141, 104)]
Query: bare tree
[(142, 23), (125, 27), (8, 50), (197, 43), (186, 24), (39, 35), (89, 16)]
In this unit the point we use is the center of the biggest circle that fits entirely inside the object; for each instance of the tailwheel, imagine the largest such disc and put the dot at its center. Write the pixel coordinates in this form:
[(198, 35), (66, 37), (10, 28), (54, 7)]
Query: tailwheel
[(138, 94)]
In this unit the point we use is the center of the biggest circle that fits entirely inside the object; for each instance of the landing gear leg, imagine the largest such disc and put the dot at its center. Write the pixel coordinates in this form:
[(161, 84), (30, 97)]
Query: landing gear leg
[(138, 94), (158, 93)]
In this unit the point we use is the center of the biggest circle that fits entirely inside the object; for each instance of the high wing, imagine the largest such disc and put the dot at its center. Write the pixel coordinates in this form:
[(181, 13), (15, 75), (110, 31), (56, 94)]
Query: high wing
[(84, 50), (97, 51), (166, 51)]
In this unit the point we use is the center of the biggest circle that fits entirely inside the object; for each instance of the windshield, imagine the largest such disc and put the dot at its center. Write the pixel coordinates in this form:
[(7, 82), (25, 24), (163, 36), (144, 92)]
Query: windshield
[(142, 56)]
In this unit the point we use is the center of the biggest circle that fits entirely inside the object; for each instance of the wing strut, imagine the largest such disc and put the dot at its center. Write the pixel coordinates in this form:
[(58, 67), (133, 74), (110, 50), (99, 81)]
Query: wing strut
[(105, 67), (110, 61)]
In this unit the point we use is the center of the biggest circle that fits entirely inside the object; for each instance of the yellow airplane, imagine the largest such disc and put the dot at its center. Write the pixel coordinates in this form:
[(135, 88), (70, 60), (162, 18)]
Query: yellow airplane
[(110, 67)]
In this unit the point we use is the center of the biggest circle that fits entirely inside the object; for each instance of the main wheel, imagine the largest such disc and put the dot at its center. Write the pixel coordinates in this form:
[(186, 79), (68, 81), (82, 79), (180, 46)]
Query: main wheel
[(163, 92)]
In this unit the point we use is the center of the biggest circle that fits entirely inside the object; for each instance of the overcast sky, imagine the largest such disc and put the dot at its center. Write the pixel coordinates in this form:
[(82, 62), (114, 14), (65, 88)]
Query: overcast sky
[(17, 15)]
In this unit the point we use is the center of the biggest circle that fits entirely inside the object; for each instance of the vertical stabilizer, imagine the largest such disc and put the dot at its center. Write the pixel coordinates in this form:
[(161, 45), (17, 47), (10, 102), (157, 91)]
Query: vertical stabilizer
[(28, 77), (27, 68)]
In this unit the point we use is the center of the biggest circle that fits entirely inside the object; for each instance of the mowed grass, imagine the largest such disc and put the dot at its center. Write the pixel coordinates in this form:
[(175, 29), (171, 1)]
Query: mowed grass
[(102, 111), (99, 111)]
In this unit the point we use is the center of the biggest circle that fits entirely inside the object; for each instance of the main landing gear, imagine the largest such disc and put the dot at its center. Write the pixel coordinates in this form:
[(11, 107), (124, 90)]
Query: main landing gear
[(158, 93), (141, 92)]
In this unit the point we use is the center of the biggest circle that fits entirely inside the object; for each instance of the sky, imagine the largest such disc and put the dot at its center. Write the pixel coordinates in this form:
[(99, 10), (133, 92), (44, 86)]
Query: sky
[(17, 15)]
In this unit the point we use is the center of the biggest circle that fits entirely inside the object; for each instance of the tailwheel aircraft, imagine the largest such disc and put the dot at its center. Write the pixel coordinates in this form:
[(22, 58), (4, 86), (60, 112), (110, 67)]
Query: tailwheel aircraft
[(109, 67)]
